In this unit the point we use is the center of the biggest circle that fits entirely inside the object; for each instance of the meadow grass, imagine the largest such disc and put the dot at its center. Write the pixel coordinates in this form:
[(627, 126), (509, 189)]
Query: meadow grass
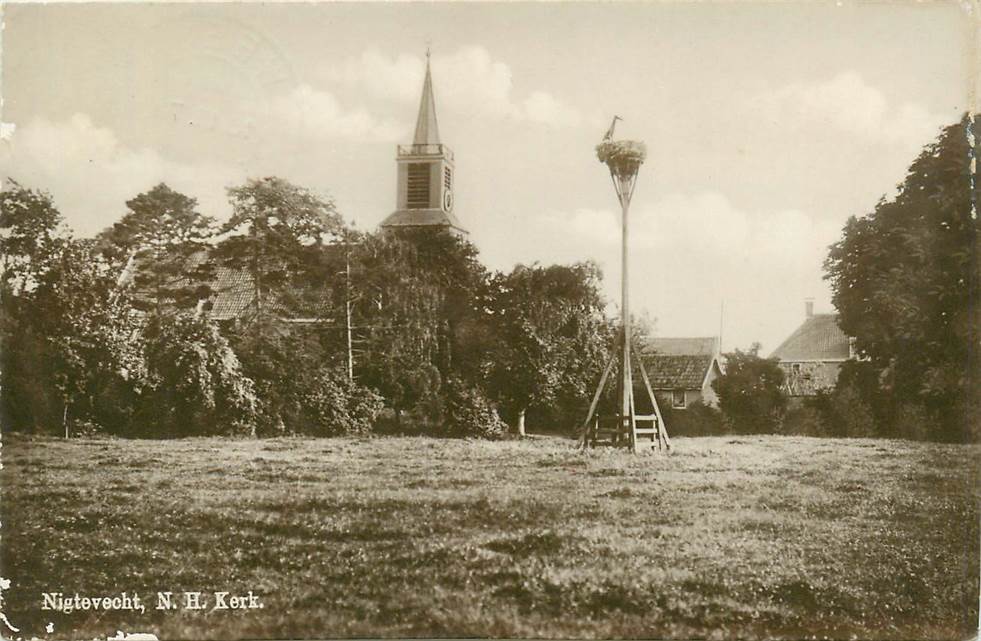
[(727, 537)]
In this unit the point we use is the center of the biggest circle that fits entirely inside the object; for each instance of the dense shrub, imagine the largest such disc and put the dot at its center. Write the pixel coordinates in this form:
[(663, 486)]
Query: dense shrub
[(697, 419), (334, 405), (851, 414), (842, 412), (912, 422), (468, 413), (194, 383), (750, 394), (805, 420)]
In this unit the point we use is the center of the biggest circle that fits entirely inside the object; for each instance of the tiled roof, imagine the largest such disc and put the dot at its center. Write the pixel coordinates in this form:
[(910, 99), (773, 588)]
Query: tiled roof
[(670, 372), (422, 218), (234, 294), (679, 363), (234, 297), (818, 338)]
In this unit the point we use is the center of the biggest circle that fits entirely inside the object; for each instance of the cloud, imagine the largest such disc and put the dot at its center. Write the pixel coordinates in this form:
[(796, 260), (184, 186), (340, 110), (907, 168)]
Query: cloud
[(307, 112), (689, 252), (542, 107), (848, 104), (467, 81), (91, 174)]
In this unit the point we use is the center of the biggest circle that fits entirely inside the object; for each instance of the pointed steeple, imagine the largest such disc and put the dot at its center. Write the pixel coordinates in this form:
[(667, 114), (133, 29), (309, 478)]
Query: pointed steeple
[(424, 185), (427, 130)]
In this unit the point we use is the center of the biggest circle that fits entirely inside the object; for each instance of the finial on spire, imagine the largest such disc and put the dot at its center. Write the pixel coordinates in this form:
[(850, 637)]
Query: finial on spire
[(429, 46)]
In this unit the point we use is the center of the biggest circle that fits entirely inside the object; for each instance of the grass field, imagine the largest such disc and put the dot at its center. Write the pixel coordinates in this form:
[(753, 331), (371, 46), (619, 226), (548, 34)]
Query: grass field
[(728, 537)]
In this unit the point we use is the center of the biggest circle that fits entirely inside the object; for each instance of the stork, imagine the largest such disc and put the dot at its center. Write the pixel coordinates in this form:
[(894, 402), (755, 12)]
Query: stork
[(609, 132)]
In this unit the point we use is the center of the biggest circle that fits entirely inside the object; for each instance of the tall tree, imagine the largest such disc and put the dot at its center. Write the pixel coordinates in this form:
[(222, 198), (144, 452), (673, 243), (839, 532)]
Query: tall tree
[(275, 236), (30, 239), (275, 241), (162, 239), (86, 329), (30, 236), (551, 335), (398, 321), (421, 294), (904, 279)]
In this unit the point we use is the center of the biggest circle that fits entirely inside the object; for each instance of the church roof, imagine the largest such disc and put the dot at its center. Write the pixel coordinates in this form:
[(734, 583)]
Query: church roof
[(819, 339), (427, 129), (422, 218)]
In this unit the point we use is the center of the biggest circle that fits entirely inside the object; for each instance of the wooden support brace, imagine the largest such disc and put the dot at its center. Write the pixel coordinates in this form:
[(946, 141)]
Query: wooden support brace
[(592, 406), (662, 429)]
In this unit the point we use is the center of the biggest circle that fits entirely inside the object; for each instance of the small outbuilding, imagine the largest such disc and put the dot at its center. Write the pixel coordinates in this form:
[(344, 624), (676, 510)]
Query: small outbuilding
[(682, 370)]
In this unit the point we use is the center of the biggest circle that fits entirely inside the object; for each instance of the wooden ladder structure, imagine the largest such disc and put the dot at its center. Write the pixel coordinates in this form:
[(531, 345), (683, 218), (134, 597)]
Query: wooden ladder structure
[(639, 432)]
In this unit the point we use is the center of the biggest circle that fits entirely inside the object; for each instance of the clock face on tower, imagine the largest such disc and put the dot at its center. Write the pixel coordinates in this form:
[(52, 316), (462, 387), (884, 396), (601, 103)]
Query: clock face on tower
[(447, 200)]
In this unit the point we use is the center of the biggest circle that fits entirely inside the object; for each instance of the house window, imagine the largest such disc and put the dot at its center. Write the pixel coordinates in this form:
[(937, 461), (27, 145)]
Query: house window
[(418, 186), (678, 399), (795, 368)]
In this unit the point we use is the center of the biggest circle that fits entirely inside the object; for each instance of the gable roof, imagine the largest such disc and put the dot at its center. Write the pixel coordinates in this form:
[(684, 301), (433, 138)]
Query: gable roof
[(818, 338), (669, 372), (679, 363)]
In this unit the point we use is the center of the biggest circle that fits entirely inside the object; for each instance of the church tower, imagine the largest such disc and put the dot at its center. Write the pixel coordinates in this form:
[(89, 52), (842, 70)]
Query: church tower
[(424, 189)]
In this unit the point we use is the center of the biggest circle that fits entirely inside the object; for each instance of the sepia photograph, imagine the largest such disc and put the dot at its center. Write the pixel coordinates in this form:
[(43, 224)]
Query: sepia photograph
[(510, 320)]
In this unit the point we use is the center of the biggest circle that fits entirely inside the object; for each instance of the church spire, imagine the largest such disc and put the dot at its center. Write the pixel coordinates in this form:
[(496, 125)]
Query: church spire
[(427, 130)]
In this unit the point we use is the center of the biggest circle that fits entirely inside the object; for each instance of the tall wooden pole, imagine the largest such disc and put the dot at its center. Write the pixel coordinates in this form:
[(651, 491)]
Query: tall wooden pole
[(347, 317), (626, 382)]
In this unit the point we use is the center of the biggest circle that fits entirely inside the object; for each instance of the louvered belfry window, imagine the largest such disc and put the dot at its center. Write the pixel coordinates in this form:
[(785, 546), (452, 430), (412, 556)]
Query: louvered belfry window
[(418, 186), (447, 178)]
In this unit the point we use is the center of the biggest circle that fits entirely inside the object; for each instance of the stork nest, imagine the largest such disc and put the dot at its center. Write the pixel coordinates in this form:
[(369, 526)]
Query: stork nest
[(622, 156)]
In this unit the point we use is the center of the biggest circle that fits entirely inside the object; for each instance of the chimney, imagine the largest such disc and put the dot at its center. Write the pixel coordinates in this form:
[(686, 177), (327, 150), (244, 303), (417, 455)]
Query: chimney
[(808, 307)]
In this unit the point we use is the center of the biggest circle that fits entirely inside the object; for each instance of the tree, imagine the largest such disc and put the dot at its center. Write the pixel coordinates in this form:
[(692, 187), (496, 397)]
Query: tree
[(904, 279), (275, 236), (194, 384), (419, 294), (750, 394), (163, 240), (550, 335), (85, 329), (29, 236), (30, 239)]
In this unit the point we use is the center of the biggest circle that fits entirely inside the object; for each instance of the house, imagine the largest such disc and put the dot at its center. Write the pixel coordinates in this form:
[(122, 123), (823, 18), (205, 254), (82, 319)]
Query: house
[(812, 355), (682, 370)]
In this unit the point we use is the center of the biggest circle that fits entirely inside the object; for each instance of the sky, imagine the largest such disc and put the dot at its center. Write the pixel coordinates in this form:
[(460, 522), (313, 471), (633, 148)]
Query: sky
[(767, 125)]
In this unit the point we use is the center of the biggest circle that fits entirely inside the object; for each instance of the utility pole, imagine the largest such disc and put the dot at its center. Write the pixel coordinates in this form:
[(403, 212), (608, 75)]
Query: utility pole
[(347, 314)]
